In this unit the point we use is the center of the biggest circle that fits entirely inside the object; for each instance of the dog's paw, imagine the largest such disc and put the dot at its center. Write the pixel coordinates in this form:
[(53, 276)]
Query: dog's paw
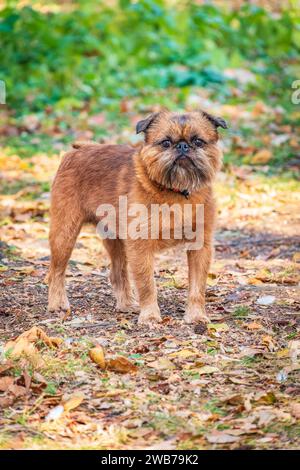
[(126, 302), (125, 308), (195, 314), (59, 304), (150, 317)]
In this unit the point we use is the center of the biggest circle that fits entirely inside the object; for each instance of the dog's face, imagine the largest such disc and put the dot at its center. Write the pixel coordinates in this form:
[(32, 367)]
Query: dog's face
[(181, 150)]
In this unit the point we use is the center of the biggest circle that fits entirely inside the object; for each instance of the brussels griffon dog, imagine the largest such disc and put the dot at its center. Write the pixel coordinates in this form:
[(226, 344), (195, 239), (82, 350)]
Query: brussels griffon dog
[(175, 165)]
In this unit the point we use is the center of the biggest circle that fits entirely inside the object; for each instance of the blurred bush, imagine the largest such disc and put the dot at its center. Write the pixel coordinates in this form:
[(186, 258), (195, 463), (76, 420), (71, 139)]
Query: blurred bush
[(88, 51)]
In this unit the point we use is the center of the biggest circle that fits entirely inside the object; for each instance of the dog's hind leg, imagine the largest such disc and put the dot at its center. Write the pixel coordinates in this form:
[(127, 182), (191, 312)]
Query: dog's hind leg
[(119, 275), (64, 229)]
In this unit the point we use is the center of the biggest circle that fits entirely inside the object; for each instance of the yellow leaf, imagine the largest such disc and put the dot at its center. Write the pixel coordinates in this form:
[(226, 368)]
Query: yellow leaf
[(218, 326), (283, 353), (74, 401), (185, 353), (97, 356), (207, 370), (253, 281), (261, 157)]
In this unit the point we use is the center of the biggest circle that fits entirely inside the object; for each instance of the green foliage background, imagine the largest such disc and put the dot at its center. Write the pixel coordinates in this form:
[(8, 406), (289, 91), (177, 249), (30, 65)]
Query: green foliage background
[(100, 53), (65, 61)]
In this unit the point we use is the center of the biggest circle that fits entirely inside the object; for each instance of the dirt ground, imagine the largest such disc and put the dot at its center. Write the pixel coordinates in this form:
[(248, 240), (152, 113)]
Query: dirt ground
[(235, 385)]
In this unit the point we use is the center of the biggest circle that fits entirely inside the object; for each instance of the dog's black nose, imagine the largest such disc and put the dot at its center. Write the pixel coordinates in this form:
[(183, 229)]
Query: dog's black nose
[(182, 146)]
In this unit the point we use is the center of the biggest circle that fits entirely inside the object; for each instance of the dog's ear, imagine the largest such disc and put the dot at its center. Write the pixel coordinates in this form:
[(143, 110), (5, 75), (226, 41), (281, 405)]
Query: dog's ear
[(143, 125), (216, 121)]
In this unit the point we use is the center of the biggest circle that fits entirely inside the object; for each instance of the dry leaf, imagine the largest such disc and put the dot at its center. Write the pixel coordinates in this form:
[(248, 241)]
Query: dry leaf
[(185, 353), (250, 352), (5, 383), (268, 398), (283, 353), (97, 356), (269, 342), (254, 281), (221, 437), (122, 365), (24, 345), (296, 257), (261, 157), (74, 401), (218, 326), (207, 370), (162, 364), (295, 410), (254, 326), (294, 350)]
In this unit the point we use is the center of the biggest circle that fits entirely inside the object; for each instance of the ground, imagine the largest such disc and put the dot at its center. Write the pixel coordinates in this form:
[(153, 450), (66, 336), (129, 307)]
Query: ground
[(234, 385)]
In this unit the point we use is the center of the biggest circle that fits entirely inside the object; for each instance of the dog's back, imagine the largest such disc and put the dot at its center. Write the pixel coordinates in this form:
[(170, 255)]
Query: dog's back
[(92, 174)]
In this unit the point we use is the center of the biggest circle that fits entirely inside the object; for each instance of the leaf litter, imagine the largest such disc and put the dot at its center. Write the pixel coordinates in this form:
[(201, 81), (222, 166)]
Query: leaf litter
[(99, 381)]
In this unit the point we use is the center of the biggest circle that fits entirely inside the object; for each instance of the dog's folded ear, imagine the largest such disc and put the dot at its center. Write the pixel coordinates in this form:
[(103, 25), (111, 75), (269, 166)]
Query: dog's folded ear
[(143, 125), (216, 121)]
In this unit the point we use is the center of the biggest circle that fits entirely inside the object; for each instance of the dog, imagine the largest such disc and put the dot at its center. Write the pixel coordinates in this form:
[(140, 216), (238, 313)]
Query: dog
[(176, 164)]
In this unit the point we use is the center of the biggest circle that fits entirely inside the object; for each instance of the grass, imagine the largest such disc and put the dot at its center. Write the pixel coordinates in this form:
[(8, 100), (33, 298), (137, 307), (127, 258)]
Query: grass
[(241, 311)]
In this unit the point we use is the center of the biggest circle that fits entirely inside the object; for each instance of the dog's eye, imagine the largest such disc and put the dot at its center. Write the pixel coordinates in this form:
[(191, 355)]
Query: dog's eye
[(198, 142), (166, 144)]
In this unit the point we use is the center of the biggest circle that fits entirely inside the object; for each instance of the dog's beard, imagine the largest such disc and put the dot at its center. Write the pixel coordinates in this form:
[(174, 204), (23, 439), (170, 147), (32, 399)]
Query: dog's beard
[(192, 174)]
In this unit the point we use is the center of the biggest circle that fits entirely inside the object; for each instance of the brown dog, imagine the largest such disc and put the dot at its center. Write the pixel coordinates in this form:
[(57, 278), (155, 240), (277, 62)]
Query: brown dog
[(175, 165)]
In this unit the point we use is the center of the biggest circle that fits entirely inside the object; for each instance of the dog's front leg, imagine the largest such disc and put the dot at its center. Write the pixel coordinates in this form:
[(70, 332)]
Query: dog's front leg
[(198, 263), (141, 261)]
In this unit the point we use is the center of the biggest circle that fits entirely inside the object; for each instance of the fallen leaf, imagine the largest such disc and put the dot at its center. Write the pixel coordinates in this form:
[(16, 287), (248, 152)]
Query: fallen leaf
[(283, 353), (235, 399), (161, 364), (5, 383), (250, 352), (265, 417), (97, 356), (254, 326), (19, 347), (296, 257), (73, 402), (207, 370), (24, 345), (261, 157), (295, 410), (122, 365), (221, 437), (7, 366), (218, 326), (269, 342), (268, 398), (294, 350), (185, 353)]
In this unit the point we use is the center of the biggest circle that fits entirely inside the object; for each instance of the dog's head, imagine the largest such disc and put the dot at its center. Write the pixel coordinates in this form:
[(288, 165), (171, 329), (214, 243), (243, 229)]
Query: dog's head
[(181, 150)]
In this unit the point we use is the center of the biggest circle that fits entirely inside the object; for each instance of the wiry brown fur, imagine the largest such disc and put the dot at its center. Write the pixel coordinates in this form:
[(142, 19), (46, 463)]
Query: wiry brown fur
[(94, 174)]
